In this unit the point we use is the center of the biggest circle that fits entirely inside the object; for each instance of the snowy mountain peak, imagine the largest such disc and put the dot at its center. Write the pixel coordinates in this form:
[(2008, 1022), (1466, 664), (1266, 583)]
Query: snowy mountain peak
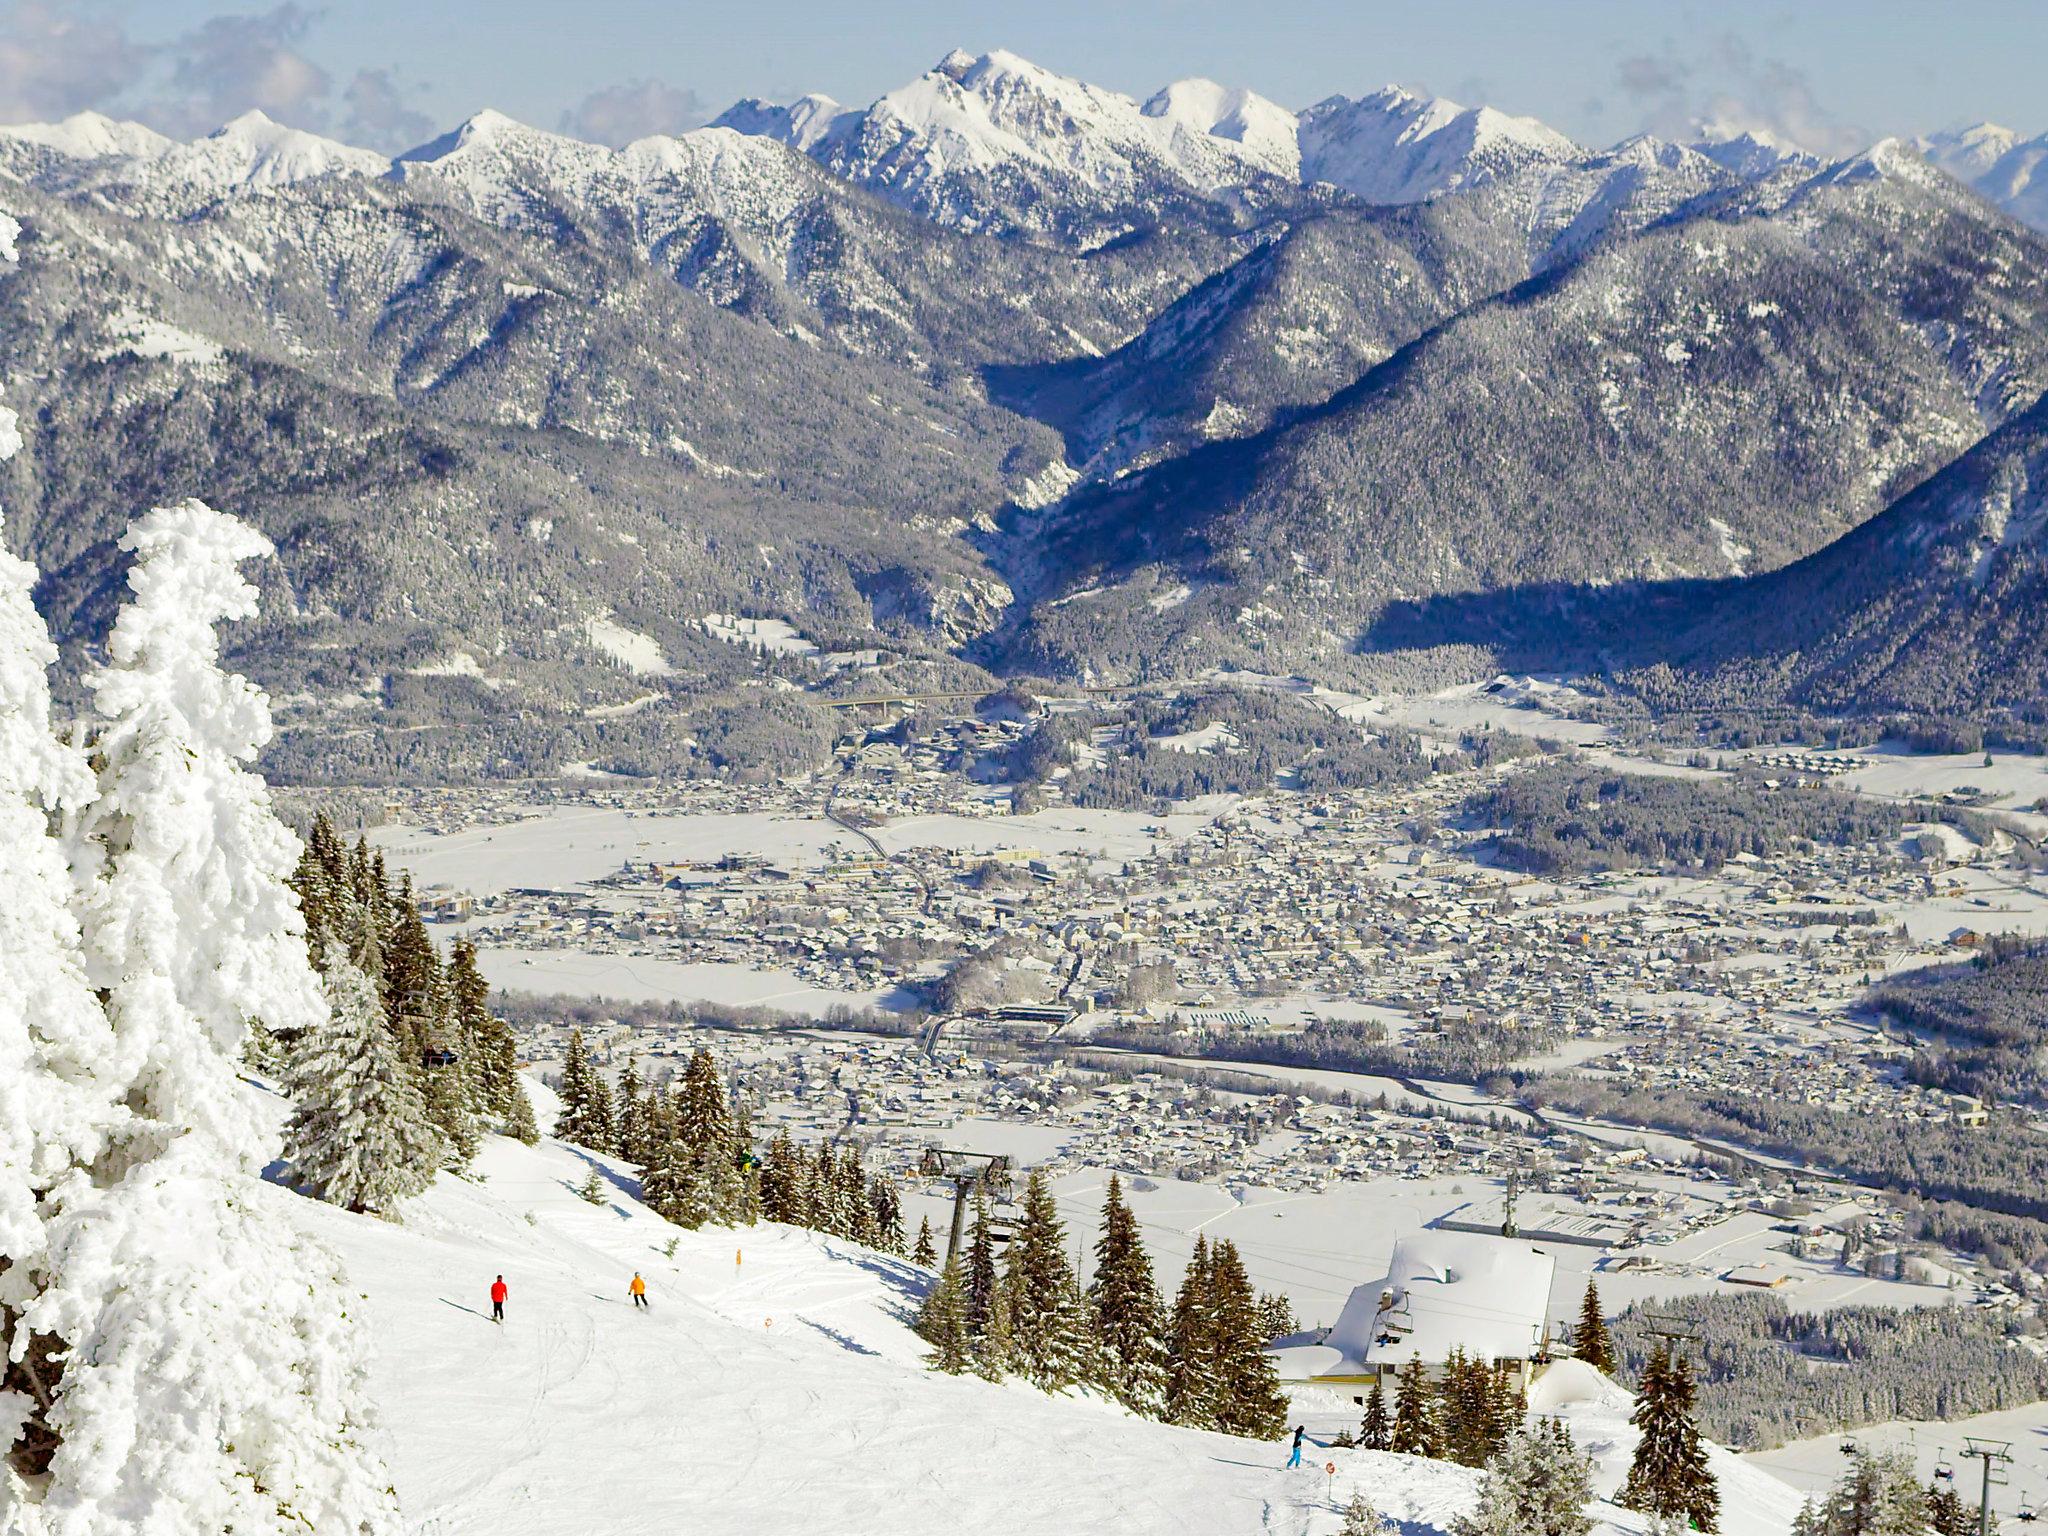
[(1395, 146), (92, 136), (253, 150), (1266, 129), (801, 124), (956, 65), (1754, 154)]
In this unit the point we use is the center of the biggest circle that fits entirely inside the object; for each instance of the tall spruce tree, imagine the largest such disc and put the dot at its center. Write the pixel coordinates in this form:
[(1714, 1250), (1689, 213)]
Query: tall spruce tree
[(1415, 1431), (943, 1322), (924, 1251), (358, 1136), (1252, 1403), (1595, 1346), (1877, 1496), (1669, 1473), (980, 1268), (1126, 1309), (1042, 1280), (1193, 1395), (1376, 1430), (586, 1117)]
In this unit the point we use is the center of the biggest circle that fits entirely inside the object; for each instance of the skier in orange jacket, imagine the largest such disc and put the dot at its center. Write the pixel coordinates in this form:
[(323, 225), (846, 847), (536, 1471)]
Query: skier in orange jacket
[(639, 1290)]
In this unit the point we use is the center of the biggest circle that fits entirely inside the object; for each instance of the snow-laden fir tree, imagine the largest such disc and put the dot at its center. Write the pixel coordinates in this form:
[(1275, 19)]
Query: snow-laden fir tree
[(1250, 1400), (1946, 1513), (995, 1352), (1361, 1519), (1376, 1430), (489, 1049), (888, 1208), (1415, 1431), (1046, 1327), (358, 1134), (586, 1115), (1877, 1496), (1592, 1341), (1537, 1485), (213, 1380), (942, 1322), (785, 1181), (630, 1118), (56, 1114), (1126, 1308), (980, 1267), (924, 1251), (1192, 1393), (1669, 1473)]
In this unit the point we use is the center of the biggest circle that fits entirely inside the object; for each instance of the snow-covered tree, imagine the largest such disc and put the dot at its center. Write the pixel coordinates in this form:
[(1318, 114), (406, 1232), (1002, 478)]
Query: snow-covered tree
[(1126, 1309), (586, 1117), (1046, 1325), (1669, 1473), (1416, 1430), (1193, 1396), (943, 1322), (1250, 1397), (1537, 1485), (213, 1379), (55, 1116), (1376, 1430), (1361, 1519), (358, 1135), (924, 1251), (1877, 1496)]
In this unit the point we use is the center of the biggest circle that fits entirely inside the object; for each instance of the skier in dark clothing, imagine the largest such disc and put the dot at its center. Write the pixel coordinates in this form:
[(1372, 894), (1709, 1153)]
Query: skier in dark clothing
[(499, 1292), (1295, 1459)]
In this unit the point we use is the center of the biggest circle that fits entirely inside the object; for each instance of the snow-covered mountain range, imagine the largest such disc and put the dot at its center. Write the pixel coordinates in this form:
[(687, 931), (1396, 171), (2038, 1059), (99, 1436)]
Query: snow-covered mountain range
[(975, 373)]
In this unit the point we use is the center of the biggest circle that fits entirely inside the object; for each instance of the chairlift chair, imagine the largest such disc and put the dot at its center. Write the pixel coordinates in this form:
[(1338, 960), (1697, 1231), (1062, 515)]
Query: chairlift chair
[(435, 1057), (1848, 1447), (2026, 1511), (1943, 1469)]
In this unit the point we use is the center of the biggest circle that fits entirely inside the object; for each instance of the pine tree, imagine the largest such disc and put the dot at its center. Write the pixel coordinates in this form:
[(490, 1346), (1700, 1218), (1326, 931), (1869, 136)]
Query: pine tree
[(1877, 1496), (785, 1181), (630, 1118), (925, 1252), (586, 1117), (1945, 1512), (1535, 1486), (359, 1135), (1276, 1315), (995, 1352), (1041, 1281), (489, 1053), (1126, 1309), (1595, 1345), (980, 1267), (1669, 1474), (943, 1322), (593, 1187), (520, 1124), (1361, 1519), (1251, 1400), (888, 1211), (1415, 1430), (1376, 1431), (1193, 1395)]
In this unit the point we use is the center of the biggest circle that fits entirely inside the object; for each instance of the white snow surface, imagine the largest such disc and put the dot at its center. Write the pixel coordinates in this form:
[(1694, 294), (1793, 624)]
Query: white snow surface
[(774, 1383)]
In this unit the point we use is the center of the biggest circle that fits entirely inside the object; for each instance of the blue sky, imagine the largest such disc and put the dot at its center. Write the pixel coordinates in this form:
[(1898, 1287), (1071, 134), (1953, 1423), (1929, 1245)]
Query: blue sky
[(392, 72)]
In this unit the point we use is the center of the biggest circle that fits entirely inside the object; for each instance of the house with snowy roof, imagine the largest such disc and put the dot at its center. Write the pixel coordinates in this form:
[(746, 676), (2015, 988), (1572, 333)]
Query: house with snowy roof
[(1486, 1295)]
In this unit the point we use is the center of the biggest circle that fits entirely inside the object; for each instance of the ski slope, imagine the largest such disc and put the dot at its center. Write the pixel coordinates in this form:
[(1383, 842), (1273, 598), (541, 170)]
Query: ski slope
[(774, 1384)]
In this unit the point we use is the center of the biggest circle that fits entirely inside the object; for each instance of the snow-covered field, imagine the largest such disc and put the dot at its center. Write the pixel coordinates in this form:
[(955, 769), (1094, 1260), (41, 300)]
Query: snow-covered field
[(641, 978), (774, 1385), (1810, 1465)]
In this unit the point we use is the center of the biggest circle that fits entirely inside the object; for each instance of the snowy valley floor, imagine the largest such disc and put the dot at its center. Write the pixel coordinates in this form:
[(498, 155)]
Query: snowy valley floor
[(775, 1385)]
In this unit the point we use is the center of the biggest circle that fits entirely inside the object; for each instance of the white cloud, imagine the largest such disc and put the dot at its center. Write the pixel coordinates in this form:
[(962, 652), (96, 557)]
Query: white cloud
[(620, 114), (56, 60)]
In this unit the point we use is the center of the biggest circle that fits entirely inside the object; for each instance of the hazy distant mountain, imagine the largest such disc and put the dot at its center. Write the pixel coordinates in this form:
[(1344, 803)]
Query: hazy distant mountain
[(1394, 147), (2010, 170)]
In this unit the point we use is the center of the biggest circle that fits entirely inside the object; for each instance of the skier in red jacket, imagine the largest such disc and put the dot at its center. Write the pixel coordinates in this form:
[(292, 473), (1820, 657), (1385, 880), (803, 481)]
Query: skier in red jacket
[(499, 1292)]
